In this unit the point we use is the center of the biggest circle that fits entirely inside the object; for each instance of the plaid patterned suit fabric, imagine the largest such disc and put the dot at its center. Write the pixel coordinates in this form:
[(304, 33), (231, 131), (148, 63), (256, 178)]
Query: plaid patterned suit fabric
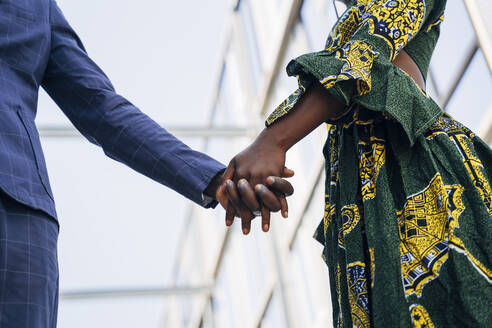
[(23, 44), (28, 266)]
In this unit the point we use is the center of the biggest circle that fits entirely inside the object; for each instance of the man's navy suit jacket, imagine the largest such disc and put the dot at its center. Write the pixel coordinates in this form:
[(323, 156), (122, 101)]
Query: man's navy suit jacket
[(39, 48)]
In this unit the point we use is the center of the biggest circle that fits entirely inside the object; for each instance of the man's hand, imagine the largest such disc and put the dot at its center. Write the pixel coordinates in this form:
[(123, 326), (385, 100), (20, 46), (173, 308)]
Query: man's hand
[(246, 199), (269, 198)]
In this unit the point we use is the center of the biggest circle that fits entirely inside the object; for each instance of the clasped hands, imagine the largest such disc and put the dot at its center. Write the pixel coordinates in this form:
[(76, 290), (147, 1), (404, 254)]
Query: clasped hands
[(262, 164), (253, 185)]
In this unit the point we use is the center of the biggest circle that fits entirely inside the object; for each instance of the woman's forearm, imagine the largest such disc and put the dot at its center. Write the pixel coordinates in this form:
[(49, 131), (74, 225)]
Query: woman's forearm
[(312, 110), (317, 106), (266, 155)]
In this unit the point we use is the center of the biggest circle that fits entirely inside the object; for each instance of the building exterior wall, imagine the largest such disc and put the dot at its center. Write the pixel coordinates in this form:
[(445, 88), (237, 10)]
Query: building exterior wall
[(279, 279)]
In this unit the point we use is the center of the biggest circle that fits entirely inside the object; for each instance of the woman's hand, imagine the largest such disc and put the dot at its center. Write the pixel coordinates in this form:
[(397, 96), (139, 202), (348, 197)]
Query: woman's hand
[(264, 160)]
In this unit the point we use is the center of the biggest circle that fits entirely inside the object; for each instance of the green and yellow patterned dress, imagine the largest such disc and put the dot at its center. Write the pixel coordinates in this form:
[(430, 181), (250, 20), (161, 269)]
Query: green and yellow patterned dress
[(407, 230)]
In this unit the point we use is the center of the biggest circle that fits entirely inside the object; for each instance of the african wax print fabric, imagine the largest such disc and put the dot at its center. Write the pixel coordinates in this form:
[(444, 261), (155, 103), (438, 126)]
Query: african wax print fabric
[(408, 205)]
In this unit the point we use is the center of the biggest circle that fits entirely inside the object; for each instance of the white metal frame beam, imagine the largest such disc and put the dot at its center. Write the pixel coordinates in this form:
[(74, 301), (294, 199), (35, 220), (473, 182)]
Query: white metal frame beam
[(460, 74), (483, 34), (179, 131), (485, 130), (135, 292)]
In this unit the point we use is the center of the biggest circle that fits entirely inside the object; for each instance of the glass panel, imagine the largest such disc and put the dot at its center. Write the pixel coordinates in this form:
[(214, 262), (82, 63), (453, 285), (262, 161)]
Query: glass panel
[(319, 16), (225, 310), (252, 47), (244, 276), (121, 313), (308, 268), (284, 85), (269, 30), (274, 315), (105, 211), (232, 104), (473, 97), (457, 36)]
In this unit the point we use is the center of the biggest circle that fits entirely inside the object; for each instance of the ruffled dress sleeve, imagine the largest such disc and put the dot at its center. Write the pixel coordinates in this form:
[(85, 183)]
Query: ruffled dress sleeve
[(356, 64)]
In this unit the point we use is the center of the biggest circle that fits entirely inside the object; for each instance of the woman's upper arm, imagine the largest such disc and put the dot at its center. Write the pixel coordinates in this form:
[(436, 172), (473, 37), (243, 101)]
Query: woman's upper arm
[(406, 64)]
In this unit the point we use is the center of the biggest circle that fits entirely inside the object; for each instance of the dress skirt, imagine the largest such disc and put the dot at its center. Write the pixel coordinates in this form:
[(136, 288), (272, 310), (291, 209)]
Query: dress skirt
[(407, 229)]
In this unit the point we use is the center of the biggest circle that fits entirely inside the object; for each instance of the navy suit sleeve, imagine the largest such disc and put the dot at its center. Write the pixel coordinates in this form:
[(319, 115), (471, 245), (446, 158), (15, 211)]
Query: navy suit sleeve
[(87, 97)]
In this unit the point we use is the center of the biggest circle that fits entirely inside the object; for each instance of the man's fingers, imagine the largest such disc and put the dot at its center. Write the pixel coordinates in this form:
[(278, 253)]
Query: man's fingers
[(246, 225), (265, 219), (232, 195), (230, 213), (248, 195), (288, 173), (280, 185), (234, 198), (221, 196), (268, 198)]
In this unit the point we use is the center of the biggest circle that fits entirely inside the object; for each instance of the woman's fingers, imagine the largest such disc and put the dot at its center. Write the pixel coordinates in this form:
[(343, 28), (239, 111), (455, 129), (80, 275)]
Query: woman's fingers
[(234, 198), (265, 219), (229, 172), (221, 196), (230, 213), (287, 173), (248, 195), (280, 186), (268, 198), (233, 195), (285, 207)]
